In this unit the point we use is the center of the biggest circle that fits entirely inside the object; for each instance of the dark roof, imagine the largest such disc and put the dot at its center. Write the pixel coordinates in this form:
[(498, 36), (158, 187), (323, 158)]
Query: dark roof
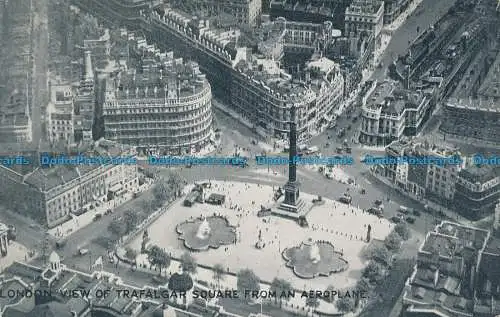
[(480, 174), (180, 282), (52, 309)]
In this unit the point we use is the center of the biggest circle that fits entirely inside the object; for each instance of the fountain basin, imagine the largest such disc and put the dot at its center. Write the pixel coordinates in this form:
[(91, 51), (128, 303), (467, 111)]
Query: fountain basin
[(307, 264), (197, 237)]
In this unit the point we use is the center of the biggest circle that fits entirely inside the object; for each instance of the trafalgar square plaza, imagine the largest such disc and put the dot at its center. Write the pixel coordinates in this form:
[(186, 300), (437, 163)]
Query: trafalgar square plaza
[(311, 242)]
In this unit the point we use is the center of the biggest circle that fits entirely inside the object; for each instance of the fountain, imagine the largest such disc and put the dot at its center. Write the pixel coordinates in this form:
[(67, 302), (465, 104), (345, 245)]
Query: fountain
[(314, 258), (204, 233), (203, 230), (314, 254)]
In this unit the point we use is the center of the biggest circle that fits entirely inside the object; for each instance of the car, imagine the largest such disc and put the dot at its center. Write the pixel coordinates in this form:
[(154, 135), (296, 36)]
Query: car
[(403, 210), (416, 213), (410, 220), (97, 217), (60, 243), (83, 251), (396, 219)]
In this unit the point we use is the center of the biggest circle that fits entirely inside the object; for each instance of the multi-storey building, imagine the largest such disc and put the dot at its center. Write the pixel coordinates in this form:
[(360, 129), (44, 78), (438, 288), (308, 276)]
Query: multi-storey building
[(424, 181), (54, 278), (99, 48), (166, 107), (60, 113), (60, 126), (390, 112), (85, 100), (311, 11), (308, 37), (246, 12), (441, 179), (16, 78), (365, 17), (476, 118), (393, 8), (477, 191), (253, 85), (452, 269), (50, 194), (15, 120)]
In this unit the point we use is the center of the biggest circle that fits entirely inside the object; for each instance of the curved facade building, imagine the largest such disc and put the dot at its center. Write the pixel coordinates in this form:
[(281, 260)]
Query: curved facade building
[(165, 108), (253, 83)]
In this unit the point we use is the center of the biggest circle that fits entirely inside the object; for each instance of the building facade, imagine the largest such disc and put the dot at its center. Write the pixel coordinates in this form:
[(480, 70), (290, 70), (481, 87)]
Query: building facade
[(310, 12), (60, 113), (477, 191), (477, 119), (255, 86), (365, 16), (85, 101), (15, 120), (50, 194), (471, 190), (445, 279), (247, 12), (167, 107), (393, 8), (389, 113)]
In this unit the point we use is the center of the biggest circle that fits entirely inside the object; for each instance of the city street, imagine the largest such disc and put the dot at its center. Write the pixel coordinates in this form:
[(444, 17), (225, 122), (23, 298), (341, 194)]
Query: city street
[(429, 12)]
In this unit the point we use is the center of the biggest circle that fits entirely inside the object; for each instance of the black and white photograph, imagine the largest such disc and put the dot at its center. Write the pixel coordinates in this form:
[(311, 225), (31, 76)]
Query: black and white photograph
[(250, 158)]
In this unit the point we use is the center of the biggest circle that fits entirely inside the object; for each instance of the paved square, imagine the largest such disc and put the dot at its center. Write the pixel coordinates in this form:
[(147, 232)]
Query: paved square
[(343, 225)]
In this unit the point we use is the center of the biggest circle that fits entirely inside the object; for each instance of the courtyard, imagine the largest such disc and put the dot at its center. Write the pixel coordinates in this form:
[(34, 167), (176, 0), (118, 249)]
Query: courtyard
[(345, 227)]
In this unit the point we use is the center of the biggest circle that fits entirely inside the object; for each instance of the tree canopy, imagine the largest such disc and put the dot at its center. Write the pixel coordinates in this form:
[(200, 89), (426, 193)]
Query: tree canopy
[(188, 263), (345, 304), (393, 241), (158, 257), (247, 282), (403, 231)]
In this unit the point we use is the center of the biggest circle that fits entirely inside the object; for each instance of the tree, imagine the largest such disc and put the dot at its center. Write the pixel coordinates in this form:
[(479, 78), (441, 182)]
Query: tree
[(148, 206), (374, 272), (117, 228), (176, 183), (218, 273), (403, 231), (247, 281), (130, 253), (312, 302), (158, 257), (188, 263), (280, 286), (131, 220), (393, 241), (381, 255), (345, 304), (161, 192), (363, 285)]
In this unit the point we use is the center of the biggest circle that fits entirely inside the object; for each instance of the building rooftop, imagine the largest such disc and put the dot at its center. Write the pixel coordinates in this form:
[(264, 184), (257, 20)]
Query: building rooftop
[(390, 99), (438, 281), (491, 84), (171, 79), (480, 174), (480, 104), (46, 178), (364, 7)]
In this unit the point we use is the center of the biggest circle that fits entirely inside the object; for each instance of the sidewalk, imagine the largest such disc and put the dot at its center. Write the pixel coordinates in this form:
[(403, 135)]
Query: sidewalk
[(78, 222), (229, 281), (449, 213)]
